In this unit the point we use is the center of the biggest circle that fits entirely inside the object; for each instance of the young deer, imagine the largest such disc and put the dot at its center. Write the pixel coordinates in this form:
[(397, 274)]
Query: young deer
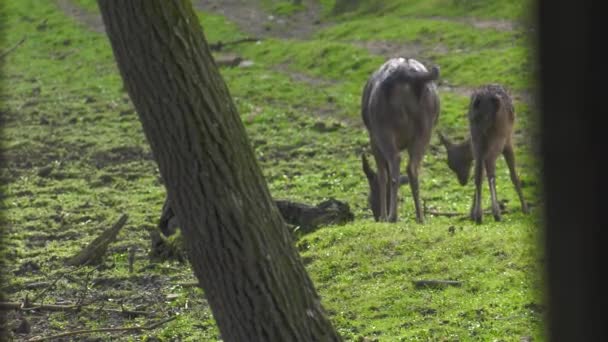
[(400, 107), (491, 118)]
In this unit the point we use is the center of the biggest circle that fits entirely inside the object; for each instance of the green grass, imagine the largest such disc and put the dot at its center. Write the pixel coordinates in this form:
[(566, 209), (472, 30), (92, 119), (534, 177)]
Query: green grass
[(425, 31), (77, 159), (375, 296), (491, 9)]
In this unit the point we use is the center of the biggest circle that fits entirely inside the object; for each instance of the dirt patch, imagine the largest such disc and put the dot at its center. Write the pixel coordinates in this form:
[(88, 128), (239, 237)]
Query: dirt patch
[(91, 20), (251, 18), (496, 24), (120, 155)]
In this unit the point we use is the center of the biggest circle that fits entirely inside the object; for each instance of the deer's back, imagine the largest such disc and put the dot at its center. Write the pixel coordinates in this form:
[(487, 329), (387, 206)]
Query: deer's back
[(402, 111), (491, 118)]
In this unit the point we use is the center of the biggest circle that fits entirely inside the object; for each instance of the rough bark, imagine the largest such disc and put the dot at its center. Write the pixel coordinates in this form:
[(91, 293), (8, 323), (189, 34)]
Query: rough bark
[(253, 278)]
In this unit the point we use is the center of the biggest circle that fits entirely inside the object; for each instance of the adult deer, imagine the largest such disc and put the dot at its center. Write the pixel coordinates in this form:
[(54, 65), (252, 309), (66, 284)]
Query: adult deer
[(491, 118), (400, 107)]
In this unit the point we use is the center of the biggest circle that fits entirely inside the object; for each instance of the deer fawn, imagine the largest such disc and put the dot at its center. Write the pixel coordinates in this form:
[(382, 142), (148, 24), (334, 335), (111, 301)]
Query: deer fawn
[(400, 107), (491, 118)]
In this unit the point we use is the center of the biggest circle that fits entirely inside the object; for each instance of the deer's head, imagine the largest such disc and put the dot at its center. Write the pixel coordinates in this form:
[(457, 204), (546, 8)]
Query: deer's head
[(460, 158)]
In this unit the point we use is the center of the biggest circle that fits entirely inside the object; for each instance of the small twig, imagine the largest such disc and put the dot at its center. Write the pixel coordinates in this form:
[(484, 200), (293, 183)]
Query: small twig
[(446, 214), (86, 286), (61, 275), (5, 306), (5, 53), (455, 214), (436, 283), (35, 285), (219, 45), (89, 331), (131, 258), (189, 284)]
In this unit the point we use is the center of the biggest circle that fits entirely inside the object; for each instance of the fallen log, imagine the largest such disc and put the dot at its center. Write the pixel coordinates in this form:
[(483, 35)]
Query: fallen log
[(304, 217), (93, 253), (307, 218), (300, 217), (218, 46)]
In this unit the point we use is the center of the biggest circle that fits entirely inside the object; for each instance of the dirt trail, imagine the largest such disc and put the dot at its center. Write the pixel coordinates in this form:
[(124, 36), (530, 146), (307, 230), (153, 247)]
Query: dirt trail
[(250, 17), (497, 24), (91, 20)]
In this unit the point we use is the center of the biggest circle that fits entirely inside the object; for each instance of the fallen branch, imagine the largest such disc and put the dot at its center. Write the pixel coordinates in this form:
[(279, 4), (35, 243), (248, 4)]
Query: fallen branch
[(90, 331), (220, 45), (455, 214), (5, 306), (189, 284), (446, 214), (86, 286), (304, 216), (229, 60), (50, 286), (436, 283), (5, 53), (94, 251)]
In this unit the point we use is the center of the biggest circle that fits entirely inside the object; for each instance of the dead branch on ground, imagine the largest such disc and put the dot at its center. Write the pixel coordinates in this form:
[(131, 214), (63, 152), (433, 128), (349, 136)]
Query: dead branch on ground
[(217, 46), (5, 53), (94, 251), (90, 331), (27, 306)]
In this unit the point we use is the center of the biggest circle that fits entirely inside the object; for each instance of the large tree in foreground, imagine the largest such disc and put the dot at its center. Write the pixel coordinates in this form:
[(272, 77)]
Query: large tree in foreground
[(243, 256)]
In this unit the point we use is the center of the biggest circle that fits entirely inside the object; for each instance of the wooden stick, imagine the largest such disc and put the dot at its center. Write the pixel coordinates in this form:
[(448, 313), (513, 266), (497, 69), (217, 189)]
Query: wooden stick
[(61, 275), (5, 53), (95, 250), (455, 214), (189, 284), (219, 45), (5, 306), (89, 331), (446, 214)]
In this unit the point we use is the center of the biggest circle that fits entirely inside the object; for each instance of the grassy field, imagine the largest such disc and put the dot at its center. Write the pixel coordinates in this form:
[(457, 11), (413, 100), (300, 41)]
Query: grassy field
[(75, 159)]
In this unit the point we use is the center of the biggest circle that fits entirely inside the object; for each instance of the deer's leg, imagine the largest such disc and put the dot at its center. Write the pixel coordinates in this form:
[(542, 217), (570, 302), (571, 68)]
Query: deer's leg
[(382, 183), (393, 186), (510, 159), (415, 158), (490, 164), (476, 212)]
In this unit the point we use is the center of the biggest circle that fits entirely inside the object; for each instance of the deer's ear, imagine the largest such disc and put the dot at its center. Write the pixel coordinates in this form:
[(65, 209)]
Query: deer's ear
[(368, 170)]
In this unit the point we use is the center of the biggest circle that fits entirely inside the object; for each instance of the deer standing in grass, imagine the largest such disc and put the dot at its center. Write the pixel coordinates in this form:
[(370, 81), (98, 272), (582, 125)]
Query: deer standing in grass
[(400, 107), (491, 117)]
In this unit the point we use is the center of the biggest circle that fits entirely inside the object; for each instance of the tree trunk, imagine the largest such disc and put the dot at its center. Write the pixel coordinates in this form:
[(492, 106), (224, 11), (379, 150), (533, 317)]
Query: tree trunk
[(243, 256)]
